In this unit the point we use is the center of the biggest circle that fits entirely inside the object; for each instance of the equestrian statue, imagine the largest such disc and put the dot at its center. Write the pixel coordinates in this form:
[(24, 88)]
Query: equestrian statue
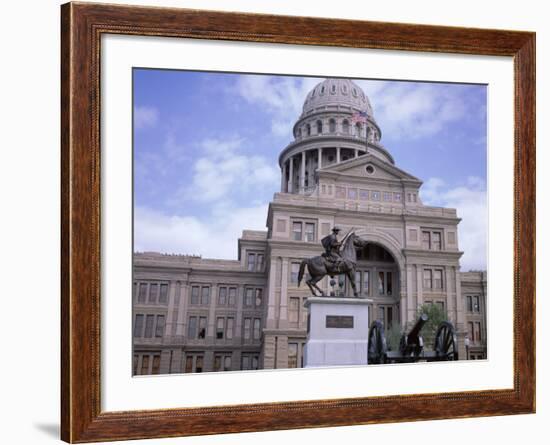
[(339, 258)]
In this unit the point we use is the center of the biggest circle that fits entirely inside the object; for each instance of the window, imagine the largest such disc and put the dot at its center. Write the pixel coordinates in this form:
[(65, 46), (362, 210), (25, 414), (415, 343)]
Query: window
[(427, 279), (476, 303), (227, 363), (375, 196), (426, 240), (248, 295), (255, 361), (163, 297), (319, 127), (144, 365), (222, 295), (469, 303), (387, 196), (345, 127), (471, 330), (195, 294), (247, 325), (308, 129), (385, 315), (297, 231), (188, 364), (293, 355), (358, 129), (397, 197), (366, 288), (310, 232), (229, 332), (333, 89), (202, 327), (219, 328), (293, 309), (436, 241), (438, 279), (245, 362), (217, 363), (257, 333), (159, 330), (340, 192), (156, 364), (352, 193), (192, 328), (363, 195), (477, 331), (258, 300), (332, 125), (431, 240), (294, 271), (138, 326), (259, 262), (358, 281), (205, 295), (149, 321), (199, 363), (142, 292), (251, 262), (153, 292), (385, 285), (232, 296)]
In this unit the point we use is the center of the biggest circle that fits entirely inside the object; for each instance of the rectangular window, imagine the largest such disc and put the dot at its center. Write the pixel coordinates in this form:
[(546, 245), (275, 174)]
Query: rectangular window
[(232, 296), (436, 241), (192, 328), (202, 327), (476, 303), (205, 295), (245, 362), (138, 326), (159, 330), (363, 195), (248, 295), (397, 197), (297, 231), (387, 196), (375, 196), (310, 232), (293, 355), (199, 363), (229, 333), (427, 279), (222, 295), (471, 330), (153, 292), (195, 295), (477, 331), (255, 362), (259, 262), (256, 329), (163, 297), (219, 328), (438, 279), (247, 325), (358, 281), (142, 292), (381, 284), (340, 192), (352, 193), (426, 240), (258, 301), (227, 363), (294, 271), (217, 363), (389, 284), (293, 309), (189, 364), (251, 262), (156, 364), (144, 365), (366, 284), (469, 303), (149, 321)]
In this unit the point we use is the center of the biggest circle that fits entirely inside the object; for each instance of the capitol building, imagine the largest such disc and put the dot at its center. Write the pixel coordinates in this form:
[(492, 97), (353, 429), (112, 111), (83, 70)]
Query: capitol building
[(193, 314)]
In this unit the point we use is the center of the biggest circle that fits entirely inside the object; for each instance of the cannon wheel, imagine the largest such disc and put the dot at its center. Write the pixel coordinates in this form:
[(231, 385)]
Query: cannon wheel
[(377, 344), (446, 345)]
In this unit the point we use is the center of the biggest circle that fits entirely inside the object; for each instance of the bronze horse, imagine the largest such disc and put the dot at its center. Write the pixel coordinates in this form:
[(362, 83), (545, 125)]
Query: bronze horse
[(319, 267)]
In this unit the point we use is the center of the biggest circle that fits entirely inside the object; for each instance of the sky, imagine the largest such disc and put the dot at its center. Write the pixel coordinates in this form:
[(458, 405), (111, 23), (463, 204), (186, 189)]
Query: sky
[(206, 147)]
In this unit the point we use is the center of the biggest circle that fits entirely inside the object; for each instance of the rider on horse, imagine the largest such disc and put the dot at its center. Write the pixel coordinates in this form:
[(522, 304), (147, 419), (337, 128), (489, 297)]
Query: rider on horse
[(332, 247)]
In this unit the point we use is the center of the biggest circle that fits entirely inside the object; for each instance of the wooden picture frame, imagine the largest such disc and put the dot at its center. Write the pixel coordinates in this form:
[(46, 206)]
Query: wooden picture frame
[(82, 26)]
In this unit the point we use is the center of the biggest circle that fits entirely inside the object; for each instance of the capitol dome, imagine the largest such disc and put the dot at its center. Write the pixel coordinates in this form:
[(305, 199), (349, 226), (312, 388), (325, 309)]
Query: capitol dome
[(337, 92)]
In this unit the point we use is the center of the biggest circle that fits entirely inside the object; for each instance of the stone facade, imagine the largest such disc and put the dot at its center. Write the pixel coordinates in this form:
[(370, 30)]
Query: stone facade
[(193, 314)]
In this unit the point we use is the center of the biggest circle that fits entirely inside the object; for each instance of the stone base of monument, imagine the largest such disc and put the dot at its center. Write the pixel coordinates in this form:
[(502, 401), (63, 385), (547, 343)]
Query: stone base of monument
[(338, 329)]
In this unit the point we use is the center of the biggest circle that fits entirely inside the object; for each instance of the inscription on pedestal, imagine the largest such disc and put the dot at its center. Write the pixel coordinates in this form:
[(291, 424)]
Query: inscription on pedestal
[(339, 321)]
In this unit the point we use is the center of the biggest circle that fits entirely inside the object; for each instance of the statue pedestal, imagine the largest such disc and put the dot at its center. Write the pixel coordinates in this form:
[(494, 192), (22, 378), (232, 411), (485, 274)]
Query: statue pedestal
[(338, 331)]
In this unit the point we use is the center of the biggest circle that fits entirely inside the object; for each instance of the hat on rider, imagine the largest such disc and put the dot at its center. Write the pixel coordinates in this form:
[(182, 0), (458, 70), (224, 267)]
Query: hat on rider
[(336, 229)]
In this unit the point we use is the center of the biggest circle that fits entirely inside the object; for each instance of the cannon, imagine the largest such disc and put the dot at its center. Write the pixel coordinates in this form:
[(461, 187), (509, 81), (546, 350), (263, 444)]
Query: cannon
[(411, 345)]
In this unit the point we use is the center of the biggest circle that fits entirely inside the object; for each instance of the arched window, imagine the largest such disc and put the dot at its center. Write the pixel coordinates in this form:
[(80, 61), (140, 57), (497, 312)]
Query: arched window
[(308, 130), (332, 125), (345, 126), (319, 127), (299, 133), (323, 89), (333, 89), (358, 129)]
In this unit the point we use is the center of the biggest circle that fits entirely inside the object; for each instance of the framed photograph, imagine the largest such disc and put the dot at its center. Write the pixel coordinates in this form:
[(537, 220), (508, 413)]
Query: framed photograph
[(275, 222)]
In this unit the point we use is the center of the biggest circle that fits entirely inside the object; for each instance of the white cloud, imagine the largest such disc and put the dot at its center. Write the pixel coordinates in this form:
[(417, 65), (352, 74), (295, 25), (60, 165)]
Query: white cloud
[(470, 200), (145, 117), (413, 110), (223, 171), (282, 97), (212, 237)]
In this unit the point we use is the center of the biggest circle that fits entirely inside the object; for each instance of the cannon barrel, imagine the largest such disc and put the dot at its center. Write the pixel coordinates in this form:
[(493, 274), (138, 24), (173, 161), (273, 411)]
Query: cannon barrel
[(412, 336)]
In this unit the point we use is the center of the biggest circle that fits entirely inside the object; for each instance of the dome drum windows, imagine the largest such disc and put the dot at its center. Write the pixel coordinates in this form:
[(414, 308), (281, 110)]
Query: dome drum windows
[(345, 126), (332, 126), (319, 127)]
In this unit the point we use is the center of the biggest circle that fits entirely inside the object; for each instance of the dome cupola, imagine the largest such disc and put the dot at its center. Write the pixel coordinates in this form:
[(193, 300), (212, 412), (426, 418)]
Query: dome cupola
[(337, 92)]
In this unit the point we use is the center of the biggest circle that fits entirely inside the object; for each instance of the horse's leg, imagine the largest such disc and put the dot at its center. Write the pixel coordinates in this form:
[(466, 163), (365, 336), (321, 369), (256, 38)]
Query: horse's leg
[(351, 276), (313, 282)]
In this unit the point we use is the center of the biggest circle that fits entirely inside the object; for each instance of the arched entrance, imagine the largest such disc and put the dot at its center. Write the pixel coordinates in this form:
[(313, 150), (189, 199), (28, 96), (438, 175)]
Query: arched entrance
[(377, 278)]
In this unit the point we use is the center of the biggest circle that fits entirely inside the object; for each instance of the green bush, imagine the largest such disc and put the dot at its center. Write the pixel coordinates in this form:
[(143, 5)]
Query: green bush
[(435, 316), (393, 337)]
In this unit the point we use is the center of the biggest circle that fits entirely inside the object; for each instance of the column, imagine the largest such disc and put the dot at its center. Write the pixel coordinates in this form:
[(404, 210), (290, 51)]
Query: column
[(320, 157), (171, 309), (182, 322), (356, 153), (419, 284), (283, 177), (337, 155), (271, 304), (291, 175), (303, 172), (283, 306)]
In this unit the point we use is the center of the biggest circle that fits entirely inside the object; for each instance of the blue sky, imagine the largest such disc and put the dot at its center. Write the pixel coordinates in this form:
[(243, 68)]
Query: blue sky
[(206, 148)]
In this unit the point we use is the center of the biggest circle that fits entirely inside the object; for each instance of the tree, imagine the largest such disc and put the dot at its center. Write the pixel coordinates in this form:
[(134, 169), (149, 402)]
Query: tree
[(436, 315)]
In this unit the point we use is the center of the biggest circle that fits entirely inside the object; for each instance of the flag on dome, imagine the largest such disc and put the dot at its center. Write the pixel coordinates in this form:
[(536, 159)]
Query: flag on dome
[(359, 116)]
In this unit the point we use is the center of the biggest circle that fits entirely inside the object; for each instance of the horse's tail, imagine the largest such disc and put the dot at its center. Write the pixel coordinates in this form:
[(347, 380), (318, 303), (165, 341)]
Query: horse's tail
[(301, 271)]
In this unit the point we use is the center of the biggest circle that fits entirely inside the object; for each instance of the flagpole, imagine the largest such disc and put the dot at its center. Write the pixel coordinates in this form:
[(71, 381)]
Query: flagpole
[(366, 136)]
